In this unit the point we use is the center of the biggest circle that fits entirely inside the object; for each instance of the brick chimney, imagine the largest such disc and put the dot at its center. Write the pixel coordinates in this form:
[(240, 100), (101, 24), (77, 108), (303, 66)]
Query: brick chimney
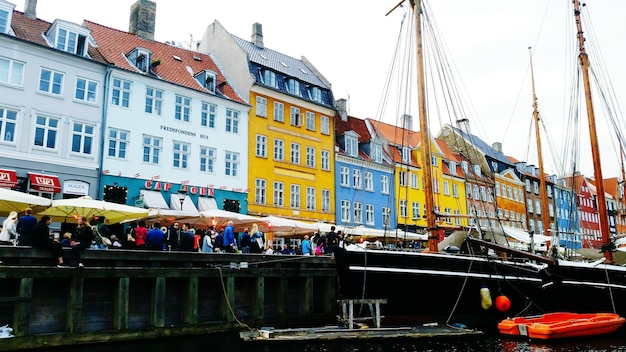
[(342, 109), (142, 19), (257, 35), (497, 146), (30, 9)]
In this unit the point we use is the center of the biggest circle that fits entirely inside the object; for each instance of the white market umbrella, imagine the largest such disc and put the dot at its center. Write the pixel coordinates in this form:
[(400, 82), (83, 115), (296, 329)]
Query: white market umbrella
[(283, 227), (64, 209), (11, 200)]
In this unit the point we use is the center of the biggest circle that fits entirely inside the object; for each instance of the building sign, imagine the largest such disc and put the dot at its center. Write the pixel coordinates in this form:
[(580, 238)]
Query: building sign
[(44, 183), (76, 187), (165, 186), (8, 179)]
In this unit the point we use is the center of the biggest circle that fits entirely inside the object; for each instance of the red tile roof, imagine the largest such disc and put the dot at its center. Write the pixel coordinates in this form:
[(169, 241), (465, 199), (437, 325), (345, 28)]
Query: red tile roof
[(114, 45), (396, 135), (353, 124)]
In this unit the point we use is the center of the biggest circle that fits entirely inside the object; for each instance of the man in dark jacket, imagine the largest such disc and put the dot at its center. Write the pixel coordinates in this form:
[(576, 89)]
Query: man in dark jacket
[(155, 238), (24, 226), (40, 237), (187, 239)]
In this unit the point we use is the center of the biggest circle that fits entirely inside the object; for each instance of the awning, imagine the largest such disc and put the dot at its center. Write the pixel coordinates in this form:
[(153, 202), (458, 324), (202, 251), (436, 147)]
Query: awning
[(206, 203), (44, 183), (188, 205), (153, 200), (8, 179)]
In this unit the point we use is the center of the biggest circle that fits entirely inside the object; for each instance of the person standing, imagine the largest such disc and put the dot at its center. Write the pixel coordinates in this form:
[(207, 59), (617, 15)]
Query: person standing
[(140, 235), (9, 229), (245, 241), (24, 226), (40, 238), (257, 244), (82, 239), (174, 236), (155, 237), (306, 245), (229, 238), (187, 239), (332, 240), (207, 241)]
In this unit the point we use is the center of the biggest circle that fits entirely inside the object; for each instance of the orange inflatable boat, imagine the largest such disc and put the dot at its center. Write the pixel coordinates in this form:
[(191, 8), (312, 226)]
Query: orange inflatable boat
[(561, 325)]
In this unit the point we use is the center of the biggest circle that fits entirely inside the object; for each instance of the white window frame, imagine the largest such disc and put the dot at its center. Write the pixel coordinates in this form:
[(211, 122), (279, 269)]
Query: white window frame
[(182, 108), (118, 143), (260, 191), (261, 146), (181, 153), (84, 134), (208, 157), (47, 130), (279, 149), (120, 92), (369, 214), (11, 72), (232, 121), (152, 147), (261, 106), (310, 157), (154, 101), (279, 111), (294, 196), (52, 84), (279, 194), (325, 160), (325, 125), (295, 118), (368, 179), (310, 121), (231, 163), (88, 92), (295, 153), (326, 201), (310, 198), (344, 176), (208, 112), (8, 125)]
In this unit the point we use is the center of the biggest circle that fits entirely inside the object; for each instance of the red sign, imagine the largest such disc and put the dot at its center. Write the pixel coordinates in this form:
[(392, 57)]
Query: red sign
[(8, 179), (45, 183)]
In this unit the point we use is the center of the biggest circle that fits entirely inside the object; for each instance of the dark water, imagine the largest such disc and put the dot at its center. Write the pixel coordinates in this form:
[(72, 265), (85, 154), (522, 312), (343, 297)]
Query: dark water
[(231, 343)]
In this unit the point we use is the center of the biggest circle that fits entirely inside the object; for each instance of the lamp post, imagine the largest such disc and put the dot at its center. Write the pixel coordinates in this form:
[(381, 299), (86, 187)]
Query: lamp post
[(182, 193)]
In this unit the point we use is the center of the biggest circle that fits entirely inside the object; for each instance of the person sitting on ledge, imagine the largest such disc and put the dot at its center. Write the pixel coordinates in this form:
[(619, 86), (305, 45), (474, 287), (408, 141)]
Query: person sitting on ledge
[(40, 237)]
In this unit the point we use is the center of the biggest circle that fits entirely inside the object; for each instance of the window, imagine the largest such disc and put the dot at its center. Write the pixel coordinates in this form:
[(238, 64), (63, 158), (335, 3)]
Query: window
[(384, 184), (369, 180), (345, 211), (406, 155), (208, 80), (352, 146), (46, 129), (434, 161), (86, 90), (403, 209), (344, 176), (356, 179), (207, 159), (152, 147), (279, 112), (369, 214), (358, 213), (232, 163), (310, 157), (294, 196), (325, 160), (510, 190), (446, 188), (402, 178), (415, 210), (269, 78), (310, 198), (82, 138), (232, 121), (182, 108), (529, 206), (293, 87), (260, 191), (181, 153), (315, 94), (140, 58), (154, 101), (503, 190), (325, 125), (294, 116), (295, 153), (455, 190), (71, 42), (414, 183), (279, 150), (377, 153), (261, 146), (497, 188), (279, 193), (5, 19), (11, 71), (326, 200), (537, 207), (476, 192), (207, 115), (118, 141), (386, 214), (261, 106), (310, 121), (51, 81), (8, 119), (120, 94), (483, 193)]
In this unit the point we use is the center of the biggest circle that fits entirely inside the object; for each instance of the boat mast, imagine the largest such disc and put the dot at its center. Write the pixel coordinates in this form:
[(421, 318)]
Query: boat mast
[(545, 216), (595, 149), (433, 238)]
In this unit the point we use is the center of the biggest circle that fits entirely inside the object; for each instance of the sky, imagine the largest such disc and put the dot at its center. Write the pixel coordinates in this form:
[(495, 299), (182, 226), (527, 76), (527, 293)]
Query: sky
[(351, 42)]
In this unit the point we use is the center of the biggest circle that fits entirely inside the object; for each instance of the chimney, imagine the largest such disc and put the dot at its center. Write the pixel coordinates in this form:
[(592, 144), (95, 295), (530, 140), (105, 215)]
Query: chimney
[(142, 19), (407, 122), (30, 9), (497, 146), (342, 109), (257, 35), (463, 125)]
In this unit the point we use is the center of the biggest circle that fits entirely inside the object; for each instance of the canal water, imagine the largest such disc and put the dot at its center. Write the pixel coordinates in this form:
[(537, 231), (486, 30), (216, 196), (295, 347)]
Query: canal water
[(231, 343)]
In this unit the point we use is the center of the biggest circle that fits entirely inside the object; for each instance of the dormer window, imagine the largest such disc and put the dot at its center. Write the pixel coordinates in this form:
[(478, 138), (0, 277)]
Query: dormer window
[(434, 161), (269, 78), (406, 154), (377, 153), (140, 58), (464, 166), (452, 167), (352, 144), (69, 37), (6, 13), (477, 170), (293, 86), (208, 80), (315, 94)]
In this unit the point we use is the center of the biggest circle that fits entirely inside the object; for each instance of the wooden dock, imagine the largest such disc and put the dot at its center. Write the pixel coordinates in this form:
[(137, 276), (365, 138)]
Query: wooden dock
[(332, 333)]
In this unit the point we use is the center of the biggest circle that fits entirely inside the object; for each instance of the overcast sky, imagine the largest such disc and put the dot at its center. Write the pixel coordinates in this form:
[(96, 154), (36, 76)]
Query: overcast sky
[(352, 41)]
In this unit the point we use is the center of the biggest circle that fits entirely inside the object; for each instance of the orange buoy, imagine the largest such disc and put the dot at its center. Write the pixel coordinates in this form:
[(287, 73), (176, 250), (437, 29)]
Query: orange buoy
[(503, 303)]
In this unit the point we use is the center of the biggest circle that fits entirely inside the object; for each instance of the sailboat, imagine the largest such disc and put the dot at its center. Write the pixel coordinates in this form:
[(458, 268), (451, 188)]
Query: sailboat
[(463, 289)]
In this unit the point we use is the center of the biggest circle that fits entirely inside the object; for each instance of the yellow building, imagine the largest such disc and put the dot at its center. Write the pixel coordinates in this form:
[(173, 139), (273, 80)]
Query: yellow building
[(448, 183), (291, 126)]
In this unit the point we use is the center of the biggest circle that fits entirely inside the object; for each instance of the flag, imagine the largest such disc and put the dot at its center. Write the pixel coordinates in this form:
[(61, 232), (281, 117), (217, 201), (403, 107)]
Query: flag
[(105, 172), (184, 182), (156, 177), (137, 175), (119, 173), (223, 187)]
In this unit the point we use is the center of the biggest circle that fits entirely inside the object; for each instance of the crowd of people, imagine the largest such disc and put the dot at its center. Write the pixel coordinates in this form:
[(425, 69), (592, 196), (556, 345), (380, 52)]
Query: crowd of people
[(95, 234)]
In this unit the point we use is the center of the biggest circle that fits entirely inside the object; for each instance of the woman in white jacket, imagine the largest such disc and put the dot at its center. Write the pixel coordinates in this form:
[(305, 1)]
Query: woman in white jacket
[(8, 234)]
